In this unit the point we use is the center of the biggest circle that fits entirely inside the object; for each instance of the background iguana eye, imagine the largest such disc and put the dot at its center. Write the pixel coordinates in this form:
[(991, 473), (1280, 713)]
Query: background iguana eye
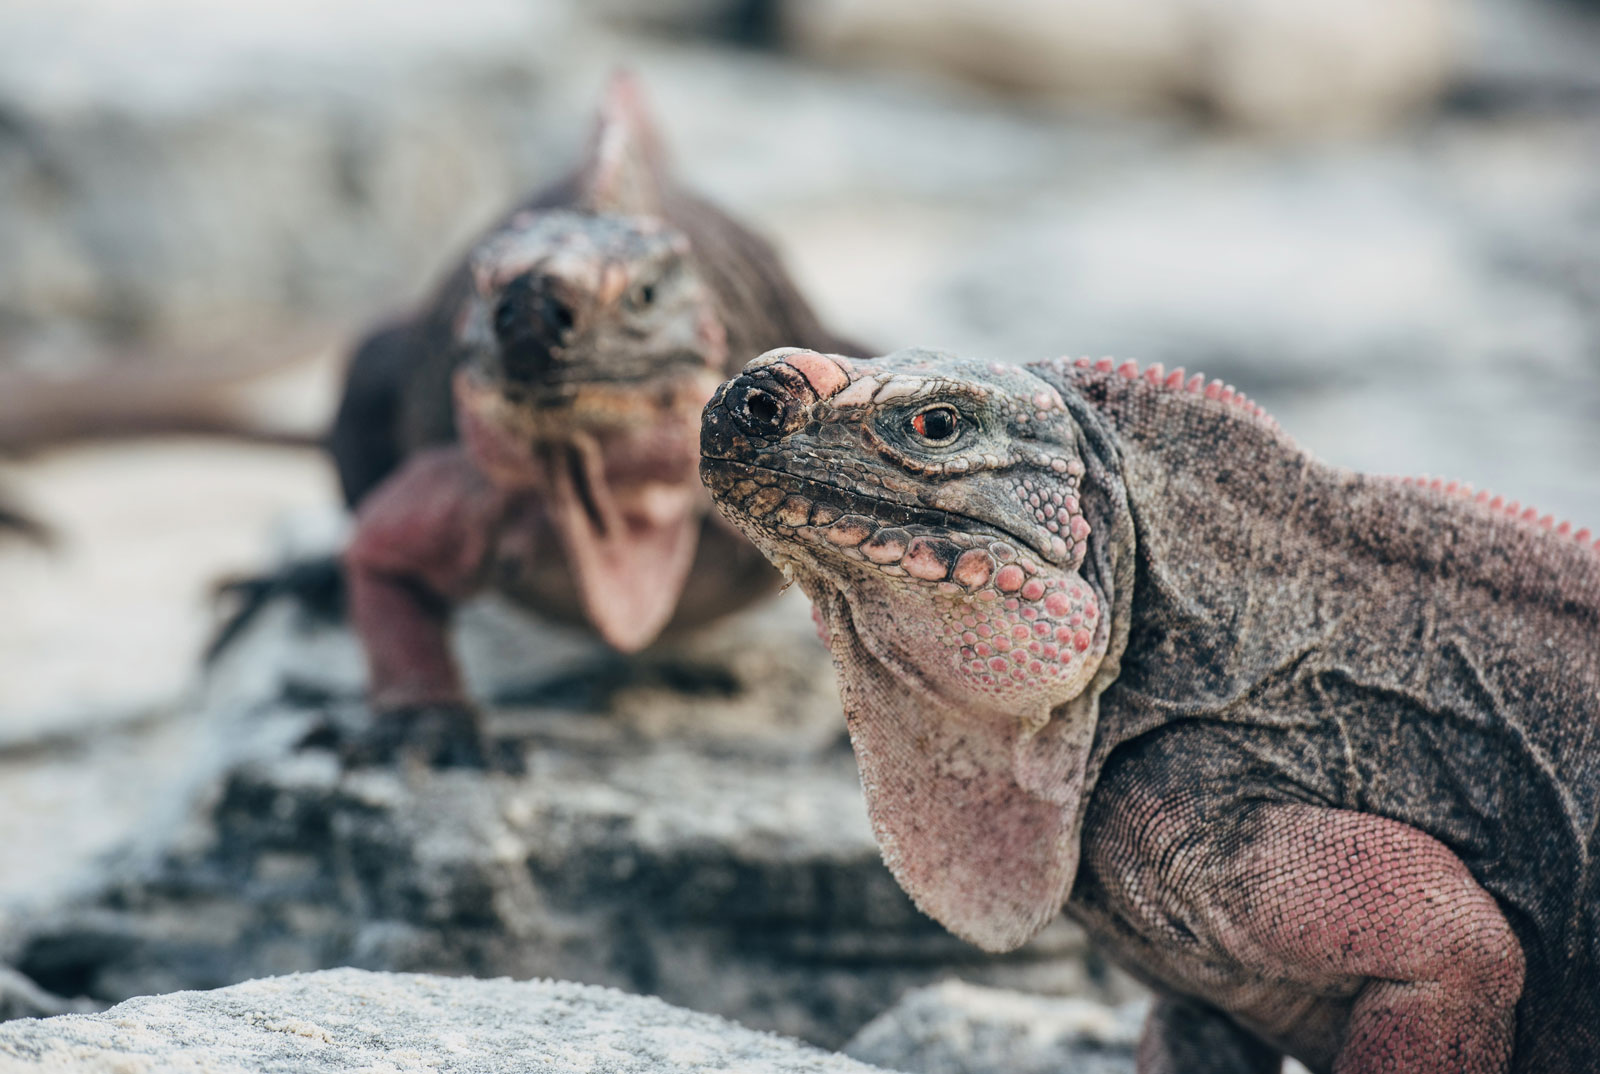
[(937, 424), (642, 296)]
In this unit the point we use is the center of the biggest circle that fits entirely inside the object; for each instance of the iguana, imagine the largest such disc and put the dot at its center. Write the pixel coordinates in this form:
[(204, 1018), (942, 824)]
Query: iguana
[(535, 430), (1315, 754)]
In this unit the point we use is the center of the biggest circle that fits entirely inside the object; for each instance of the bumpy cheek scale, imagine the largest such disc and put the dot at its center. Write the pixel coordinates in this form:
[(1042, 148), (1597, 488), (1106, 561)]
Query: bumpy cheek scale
[(1009, 626)]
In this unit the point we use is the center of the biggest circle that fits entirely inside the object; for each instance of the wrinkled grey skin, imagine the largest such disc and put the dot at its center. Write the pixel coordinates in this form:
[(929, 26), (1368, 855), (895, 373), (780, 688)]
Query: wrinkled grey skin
[(1315, 754)]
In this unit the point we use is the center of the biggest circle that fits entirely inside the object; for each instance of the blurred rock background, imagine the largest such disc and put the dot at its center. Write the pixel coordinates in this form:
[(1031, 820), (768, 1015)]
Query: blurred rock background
[(1380, 218)]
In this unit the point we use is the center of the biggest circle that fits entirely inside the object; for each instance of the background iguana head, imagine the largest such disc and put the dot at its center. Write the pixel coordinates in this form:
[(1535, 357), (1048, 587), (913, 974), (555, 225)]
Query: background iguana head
[(589, 343), (958, 530)]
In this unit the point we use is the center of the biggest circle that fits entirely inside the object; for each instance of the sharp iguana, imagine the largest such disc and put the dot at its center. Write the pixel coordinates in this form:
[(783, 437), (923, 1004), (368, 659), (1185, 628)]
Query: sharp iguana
[(1315, 754), (534, 429)]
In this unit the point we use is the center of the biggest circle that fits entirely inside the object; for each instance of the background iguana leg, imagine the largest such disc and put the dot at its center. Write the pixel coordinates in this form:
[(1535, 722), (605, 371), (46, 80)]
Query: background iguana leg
[(421, 541), (1184, 1036), (1311, 895)]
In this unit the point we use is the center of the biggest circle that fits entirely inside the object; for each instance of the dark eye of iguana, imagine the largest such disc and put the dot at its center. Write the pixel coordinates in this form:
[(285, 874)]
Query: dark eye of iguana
[(642, 296), (936, 425)]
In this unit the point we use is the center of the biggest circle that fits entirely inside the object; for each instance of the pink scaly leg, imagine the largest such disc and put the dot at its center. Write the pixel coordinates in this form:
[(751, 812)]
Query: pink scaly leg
[(1312, 895), (420, 545)]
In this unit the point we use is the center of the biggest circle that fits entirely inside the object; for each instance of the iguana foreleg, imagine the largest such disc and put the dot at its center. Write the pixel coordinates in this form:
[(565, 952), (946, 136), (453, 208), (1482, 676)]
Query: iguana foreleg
[(1318, 898), (420, 546)]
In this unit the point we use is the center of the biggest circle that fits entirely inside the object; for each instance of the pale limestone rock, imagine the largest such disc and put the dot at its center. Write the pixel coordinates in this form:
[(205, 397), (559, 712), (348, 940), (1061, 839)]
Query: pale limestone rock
[(381, 1023), (1280, 65)]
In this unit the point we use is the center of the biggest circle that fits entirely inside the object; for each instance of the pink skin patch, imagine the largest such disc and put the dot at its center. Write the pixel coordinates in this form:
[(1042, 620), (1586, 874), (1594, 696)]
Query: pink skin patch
[(922, 561), (630, 549), (972, 771), (823, 374), (974, 569)]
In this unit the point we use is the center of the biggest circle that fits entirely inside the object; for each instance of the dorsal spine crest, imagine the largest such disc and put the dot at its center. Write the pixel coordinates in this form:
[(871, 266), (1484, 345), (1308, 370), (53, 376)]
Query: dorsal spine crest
[(1177, 380), (1501, 506), (1157, 377)]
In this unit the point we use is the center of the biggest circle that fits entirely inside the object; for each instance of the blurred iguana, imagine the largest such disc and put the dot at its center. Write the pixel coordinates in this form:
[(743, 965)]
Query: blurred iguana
[(535, 429), (1313, 753)]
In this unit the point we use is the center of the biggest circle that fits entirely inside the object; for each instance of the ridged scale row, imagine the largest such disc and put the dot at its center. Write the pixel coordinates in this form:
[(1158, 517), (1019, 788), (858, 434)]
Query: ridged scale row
[(1500, 505), (1178, 380), (1156, 376)]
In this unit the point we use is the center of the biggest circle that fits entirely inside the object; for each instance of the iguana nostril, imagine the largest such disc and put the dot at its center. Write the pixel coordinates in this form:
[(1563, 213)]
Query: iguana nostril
[(757, 411), (763, 408)]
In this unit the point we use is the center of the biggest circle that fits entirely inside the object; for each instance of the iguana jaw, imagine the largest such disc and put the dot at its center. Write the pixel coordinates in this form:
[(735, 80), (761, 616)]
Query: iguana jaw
[(620, 496)]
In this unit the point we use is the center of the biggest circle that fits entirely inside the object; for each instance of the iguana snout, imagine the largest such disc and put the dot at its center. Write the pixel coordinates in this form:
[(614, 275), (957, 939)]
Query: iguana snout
[(590, 321)]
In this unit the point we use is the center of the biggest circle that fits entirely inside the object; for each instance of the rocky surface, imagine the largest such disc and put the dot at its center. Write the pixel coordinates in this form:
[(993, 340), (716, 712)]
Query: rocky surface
[(359, 1020), (689, 825), (958, 1028), (349, 1020)]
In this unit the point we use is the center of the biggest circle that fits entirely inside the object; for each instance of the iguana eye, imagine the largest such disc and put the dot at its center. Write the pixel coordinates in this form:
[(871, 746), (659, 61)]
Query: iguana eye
[(937, 424), (642, 296)]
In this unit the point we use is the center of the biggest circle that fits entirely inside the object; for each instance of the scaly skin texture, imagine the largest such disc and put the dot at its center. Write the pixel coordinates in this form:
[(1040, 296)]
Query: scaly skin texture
[(535, 430), (1315, 754)]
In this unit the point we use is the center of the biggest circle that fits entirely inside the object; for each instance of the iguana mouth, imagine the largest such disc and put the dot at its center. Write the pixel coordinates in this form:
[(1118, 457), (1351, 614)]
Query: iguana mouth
[(767, 496)]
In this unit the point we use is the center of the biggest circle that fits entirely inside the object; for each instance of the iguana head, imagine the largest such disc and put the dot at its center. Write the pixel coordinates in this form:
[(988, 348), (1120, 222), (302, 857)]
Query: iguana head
[(590, 342), (957, 529)]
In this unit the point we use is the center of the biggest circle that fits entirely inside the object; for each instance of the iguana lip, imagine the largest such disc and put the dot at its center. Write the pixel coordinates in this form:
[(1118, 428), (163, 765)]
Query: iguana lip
[(850, 501)]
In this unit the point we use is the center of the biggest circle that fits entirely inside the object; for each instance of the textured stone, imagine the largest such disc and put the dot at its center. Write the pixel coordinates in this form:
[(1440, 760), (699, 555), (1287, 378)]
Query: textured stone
[(689, 825), (350, 1020), (958, 1028)]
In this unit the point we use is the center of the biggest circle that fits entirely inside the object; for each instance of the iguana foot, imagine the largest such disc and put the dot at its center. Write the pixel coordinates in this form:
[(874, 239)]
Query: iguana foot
[(440, 736)]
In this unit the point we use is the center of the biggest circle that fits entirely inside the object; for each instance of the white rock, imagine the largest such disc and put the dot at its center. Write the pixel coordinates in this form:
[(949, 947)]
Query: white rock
[(960, 1028), (1276, 64), (381, 1023)]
